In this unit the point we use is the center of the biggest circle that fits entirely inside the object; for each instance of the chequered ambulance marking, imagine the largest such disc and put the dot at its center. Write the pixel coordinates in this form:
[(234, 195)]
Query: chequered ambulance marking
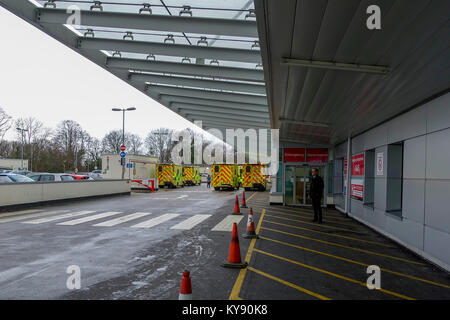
[(115, 222), (191, 222), (155, 221), (227, 223), (59, 217), (87, 219)]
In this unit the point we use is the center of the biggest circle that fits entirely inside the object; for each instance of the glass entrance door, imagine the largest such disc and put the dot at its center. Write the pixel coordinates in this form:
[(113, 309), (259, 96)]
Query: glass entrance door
[(289, 185), (297, 184)]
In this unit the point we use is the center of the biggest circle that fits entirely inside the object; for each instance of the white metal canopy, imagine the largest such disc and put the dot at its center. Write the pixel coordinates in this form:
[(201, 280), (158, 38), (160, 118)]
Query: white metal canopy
[(199, 58)]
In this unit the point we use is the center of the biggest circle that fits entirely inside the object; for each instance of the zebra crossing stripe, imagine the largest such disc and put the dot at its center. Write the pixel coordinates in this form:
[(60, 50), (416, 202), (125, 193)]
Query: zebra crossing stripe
[(87, 219), (191, 222), (11, 219), (16, 213), (123, 219), (155, 221), (54, 218), (227, 223)]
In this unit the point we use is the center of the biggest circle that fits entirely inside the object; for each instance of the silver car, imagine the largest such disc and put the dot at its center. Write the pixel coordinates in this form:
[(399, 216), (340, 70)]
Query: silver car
[(51, 177)]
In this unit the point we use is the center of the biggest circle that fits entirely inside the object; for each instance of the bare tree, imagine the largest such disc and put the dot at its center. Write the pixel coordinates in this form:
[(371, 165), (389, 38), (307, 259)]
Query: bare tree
[(5, 123), (33, 130), (135, 143), (112, 141), (159, 144)]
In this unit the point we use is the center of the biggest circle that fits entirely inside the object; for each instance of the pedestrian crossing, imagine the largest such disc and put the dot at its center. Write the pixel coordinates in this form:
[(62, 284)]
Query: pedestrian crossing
[(138, 220)]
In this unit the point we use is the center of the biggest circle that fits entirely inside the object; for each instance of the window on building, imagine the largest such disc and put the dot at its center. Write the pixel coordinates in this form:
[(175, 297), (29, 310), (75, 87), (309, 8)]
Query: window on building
[(369, 178), (338, 177), (394, 184)]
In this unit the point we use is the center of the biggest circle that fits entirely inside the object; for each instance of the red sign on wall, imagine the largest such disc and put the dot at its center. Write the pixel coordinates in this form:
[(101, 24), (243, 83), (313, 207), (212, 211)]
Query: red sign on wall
[(357, 191), (345, 165), (294, 154), (317, 155), (358, 165)]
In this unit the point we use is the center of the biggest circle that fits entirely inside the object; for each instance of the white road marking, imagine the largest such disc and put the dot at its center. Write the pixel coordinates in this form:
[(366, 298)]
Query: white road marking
[(155, 221), (227, 223), (123, 219), (54, 218), (31, 216), (191, 222), (86, 219), (182, 196), (16, 213)]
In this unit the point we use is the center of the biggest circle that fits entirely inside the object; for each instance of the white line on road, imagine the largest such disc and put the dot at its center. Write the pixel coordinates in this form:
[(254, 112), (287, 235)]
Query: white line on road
[(227, 223), (32, 216), (182, 196), (54, 218), (16, 213), (155, 221), (191, 222), (86, 219), (123, 219)]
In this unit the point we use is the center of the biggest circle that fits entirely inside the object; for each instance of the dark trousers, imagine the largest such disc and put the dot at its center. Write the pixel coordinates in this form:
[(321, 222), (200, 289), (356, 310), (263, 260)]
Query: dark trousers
[(317, 209), (208, 184)]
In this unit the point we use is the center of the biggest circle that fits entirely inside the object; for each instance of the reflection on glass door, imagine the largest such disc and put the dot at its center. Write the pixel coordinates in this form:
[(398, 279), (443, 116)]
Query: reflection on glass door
[(299, 185), (289, 185), (308, 183)]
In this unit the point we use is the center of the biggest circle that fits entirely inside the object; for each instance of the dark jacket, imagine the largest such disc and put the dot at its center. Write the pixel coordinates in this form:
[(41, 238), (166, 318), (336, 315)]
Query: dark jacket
[(316, 188)]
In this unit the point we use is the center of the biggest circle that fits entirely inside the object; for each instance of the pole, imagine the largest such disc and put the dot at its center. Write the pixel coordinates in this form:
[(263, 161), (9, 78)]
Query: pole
[(22, 147), (123, 142)]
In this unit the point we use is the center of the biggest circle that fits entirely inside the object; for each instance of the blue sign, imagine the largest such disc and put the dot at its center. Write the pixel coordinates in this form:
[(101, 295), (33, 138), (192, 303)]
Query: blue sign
[(122, 154)]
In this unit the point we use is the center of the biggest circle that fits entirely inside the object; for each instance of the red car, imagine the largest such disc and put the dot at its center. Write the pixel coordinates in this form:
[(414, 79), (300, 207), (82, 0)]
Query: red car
[(80, 177)]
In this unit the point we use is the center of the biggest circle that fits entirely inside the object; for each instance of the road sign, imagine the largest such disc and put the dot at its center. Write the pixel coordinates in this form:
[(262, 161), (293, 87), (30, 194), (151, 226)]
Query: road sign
[(122, 161), (123, 154), (122, 148)]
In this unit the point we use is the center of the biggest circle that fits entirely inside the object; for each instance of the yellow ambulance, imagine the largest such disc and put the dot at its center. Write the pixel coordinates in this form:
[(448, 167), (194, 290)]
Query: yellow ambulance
[(191, 175), (224, 176), (253, 177), (170, 175)]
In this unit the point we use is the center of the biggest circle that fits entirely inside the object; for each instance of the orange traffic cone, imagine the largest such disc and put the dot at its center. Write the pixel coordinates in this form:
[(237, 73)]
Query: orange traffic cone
[(250, 227), (185, 288), (234, 254), (236, 206), (244, 204)]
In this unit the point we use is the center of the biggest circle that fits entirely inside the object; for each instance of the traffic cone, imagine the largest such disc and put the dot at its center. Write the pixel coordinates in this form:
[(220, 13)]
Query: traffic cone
[(185, 288), (236, 206), (250, 227), (234, 253), (244, 204)]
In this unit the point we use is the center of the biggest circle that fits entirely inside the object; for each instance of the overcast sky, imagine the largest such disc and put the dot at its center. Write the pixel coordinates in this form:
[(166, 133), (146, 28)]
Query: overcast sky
[(42, 78)]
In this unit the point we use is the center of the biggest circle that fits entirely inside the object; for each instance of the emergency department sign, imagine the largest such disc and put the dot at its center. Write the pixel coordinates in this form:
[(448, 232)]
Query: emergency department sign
[(357, 181)]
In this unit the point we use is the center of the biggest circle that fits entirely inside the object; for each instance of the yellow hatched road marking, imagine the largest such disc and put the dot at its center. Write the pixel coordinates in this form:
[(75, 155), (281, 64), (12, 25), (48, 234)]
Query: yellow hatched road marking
[(234, 295), (332, 235), (328, 214), (340, 245), (331, 274), (356, 262), (306, 215), (288, 284)]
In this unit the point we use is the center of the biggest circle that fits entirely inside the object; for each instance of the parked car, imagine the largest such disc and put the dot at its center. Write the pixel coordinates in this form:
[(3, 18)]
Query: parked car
[(44, 176), (80, 177), (96, 174), (23, 172), (13, 178)]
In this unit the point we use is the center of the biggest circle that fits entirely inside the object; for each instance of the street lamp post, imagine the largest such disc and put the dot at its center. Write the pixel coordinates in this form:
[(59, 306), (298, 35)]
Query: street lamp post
[(123, 131), (21, 132)]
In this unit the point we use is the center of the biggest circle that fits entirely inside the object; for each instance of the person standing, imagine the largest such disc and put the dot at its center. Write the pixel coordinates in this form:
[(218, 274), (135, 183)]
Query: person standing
[(208, 181), (316, 193)]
